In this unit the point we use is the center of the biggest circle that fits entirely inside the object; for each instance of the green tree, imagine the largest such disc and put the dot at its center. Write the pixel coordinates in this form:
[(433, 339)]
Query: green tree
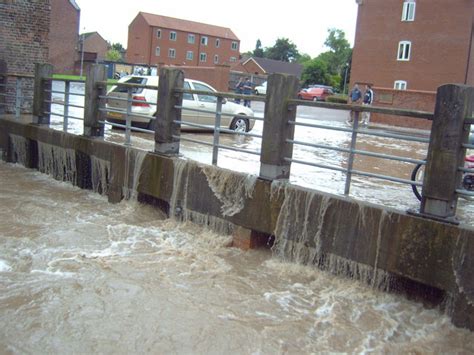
[(283, 50), (118, 46), (114, 55), (258, 51), (316, 71)]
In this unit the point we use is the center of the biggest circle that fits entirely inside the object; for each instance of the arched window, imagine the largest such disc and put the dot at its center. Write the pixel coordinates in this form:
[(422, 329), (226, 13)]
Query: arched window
[(408, 13)]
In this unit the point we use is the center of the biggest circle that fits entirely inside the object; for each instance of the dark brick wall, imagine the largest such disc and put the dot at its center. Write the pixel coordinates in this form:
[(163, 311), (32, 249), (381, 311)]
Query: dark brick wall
[(24, 41)]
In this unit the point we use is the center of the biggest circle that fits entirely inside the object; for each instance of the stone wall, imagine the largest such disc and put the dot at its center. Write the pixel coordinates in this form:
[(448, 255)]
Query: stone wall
[(24, 41)]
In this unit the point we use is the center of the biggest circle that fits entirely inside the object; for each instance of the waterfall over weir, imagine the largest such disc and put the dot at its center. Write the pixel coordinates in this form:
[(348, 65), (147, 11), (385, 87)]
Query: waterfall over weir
[(301, 238), (58, 162)]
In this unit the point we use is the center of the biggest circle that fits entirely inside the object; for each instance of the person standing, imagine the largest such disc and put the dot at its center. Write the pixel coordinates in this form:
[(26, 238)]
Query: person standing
[(355, 96), (368, 99), (239, 89), (247, 88)]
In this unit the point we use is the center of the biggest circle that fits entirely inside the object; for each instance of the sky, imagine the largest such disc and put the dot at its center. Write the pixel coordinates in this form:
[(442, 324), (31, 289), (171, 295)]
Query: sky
[(304, 23)]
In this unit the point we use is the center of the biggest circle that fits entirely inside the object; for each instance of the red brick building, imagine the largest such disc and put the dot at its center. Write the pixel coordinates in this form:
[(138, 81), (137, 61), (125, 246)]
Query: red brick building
[(95, 46), (64, 35), (155, 39), (414, 44)]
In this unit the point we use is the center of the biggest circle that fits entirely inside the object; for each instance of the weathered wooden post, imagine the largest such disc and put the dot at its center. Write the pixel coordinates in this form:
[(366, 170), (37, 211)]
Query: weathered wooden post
[(92, 102), (445, 152), (42, 72), (276, 129), (167, 131)]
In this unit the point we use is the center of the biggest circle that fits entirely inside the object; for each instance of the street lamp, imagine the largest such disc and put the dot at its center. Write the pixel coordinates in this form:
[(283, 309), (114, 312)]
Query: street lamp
[(82, 53), (345, 78)]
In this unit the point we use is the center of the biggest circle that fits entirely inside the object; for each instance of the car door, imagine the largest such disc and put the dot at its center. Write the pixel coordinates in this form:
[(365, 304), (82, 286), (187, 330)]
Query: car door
[(190, 104), (207, 103)]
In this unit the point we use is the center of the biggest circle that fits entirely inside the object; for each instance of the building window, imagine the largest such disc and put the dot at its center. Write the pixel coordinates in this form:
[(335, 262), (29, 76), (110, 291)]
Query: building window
[(157, 51), (404, 49), (218, 43), (172, 53), (191, 38), (234, 46), (204, 41), (408, 13), (203, 57), (173, 36), (400, 85), (216, 59), (233, 59), (158, 33), (189, 55)]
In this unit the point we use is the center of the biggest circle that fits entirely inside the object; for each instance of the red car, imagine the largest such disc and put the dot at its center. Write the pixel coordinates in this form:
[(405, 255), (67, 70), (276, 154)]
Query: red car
[(315, 94)]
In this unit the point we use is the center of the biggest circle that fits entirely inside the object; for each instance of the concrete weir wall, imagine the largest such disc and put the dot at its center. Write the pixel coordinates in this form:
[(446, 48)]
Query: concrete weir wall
[(388, 249)]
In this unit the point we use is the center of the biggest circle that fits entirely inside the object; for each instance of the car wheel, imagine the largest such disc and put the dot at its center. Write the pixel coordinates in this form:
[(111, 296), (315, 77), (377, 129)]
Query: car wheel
[(315, 99), (240, 124)]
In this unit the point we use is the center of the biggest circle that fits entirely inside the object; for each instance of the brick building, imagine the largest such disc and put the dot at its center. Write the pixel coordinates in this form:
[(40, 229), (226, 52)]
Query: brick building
[(64, 35), (24, 41), (414, 44), (155, 39), (264, 66), (95, 46)]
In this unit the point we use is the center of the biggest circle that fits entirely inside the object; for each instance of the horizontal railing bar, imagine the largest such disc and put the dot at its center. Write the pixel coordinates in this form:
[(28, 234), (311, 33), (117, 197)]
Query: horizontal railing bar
[(63, 92), (222, 94), (214, 112), (465, 192), (247, 134), (127, 85), (357, 172), (218, 145), (132, 114), (365, 108), (466, 170), (468, 146), (363, 131), (61, 115), (79, 81), (360, 152), (126, 100), (62, 104), (134, 129), (197, 125)]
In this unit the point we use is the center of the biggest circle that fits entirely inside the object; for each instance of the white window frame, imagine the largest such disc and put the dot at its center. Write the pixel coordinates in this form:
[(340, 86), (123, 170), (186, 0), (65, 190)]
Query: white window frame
[(157, 51), (203, 57), (158, 33), (233, 59), (218, 42), (234, 46), (171, 53), (204, 40), (400, 85), (408, 12), (173, 36), (191, 38), (216, 59), (189, 55), (404, 51)]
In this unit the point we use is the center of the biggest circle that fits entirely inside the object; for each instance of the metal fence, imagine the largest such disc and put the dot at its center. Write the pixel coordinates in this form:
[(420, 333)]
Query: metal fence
[(279, 123), (15, 93)]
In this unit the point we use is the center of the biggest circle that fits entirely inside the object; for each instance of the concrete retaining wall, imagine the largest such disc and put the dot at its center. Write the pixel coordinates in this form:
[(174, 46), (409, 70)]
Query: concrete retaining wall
[(386, 248)]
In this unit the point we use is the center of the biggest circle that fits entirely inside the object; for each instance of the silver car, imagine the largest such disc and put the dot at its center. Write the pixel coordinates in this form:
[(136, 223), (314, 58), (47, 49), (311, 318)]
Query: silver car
[(142, 111)]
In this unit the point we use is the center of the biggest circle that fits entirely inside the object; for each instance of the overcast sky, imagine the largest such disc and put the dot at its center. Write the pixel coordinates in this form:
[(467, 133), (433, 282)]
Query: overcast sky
[(305, 23)]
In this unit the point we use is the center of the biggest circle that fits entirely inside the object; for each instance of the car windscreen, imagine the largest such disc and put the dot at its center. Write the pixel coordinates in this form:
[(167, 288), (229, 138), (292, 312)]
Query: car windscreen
[(132, 80), (205, 98)]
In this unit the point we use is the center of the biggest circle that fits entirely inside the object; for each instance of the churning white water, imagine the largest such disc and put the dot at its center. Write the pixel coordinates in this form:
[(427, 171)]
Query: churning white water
[(80, 275)]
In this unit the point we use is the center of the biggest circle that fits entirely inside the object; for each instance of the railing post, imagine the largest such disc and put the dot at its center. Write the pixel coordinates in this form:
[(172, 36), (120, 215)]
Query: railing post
[(445, 152), (276, 129), (167, 132), (92, 102), (67, 89), (42, 72)]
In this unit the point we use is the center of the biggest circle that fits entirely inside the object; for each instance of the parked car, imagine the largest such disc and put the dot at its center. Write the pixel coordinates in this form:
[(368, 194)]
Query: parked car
[(315, 94), (261, 89), (142, 110)]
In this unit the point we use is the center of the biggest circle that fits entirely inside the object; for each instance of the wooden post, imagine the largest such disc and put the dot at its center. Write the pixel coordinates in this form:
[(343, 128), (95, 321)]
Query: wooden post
[(276, 129), (3, 83), (167, 132), (42, 72), (445, 153), (92, 101)]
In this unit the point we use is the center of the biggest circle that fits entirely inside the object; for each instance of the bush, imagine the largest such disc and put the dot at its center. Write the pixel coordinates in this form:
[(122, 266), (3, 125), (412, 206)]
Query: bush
[(338, 99)]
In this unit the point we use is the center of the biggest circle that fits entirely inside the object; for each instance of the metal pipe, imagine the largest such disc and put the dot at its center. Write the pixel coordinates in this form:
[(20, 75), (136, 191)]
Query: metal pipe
[(217, 126)]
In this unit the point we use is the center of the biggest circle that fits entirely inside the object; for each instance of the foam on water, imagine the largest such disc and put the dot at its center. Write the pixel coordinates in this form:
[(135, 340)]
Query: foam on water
[(4, 266)]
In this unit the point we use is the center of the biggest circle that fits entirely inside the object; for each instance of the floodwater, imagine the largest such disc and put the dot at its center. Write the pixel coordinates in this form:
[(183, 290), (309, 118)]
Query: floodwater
[(80, 275), (373, 190)]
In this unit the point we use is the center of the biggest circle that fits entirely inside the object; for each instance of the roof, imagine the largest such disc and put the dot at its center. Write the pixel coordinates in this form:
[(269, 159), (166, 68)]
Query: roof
[(188, 26), (276, 66), (73, 3), (90, 34)]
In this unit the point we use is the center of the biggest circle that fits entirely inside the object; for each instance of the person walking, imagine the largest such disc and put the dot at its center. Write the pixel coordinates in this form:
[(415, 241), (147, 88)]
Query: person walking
[(368, 99), (355, 95), (239, 89)]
